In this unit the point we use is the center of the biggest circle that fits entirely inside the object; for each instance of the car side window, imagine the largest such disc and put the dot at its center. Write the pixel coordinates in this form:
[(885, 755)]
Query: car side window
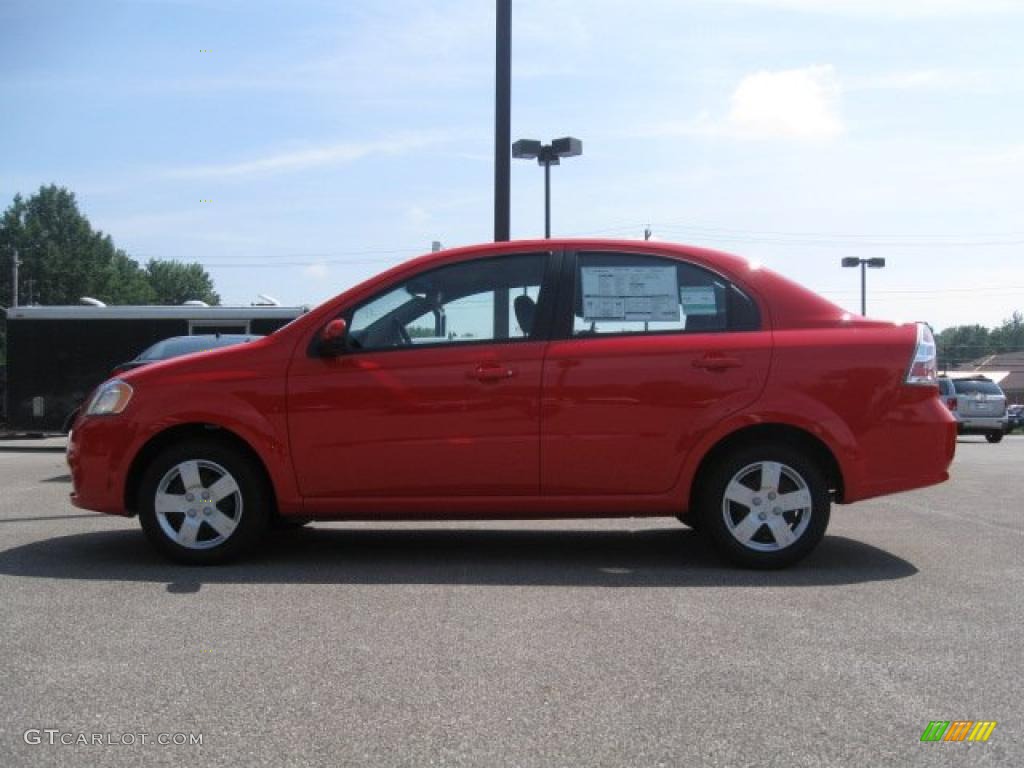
[(635, 293), (491, 299)]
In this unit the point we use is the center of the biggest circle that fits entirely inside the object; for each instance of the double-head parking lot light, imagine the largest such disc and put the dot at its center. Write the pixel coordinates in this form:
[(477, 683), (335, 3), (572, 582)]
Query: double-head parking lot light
[(547, 155), (874, 263)]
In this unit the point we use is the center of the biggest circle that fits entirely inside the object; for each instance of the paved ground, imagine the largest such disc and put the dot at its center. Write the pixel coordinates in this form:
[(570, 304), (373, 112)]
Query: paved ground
[(619, 643)]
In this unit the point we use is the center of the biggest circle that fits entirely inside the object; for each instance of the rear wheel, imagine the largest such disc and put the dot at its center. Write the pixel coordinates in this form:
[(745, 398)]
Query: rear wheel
[(993, 437), (203, 502), (765, 506)]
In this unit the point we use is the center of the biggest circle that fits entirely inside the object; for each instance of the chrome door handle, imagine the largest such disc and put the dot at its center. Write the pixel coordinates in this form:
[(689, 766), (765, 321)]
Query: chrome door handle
[(492, 373)]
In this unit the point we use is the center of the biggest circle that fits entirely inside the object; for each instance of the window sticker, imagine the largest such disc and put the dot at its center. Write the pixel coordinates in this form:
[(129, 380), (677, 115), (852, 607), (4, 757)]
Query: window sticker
[(630, 293), (698, 299)]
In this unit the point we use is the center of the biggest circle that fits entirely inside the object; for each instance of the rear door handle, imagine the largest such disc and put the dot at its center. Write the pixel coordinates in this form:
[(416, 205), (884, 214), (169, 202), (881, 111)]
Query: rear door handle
[(717, 363), (492, 372)]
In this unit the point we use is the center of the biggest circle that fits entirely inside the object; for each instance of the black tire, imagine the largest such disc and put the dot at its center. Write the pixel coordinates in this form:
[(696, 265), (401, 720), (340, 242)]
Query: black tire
[(227, 527), (994, 437), (764, 548)]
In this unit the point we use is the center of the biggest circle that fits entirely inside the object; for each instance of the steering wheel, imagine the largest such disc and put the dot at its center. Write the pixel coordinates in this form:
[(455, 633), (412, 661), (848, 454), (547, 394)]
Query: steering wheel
[(403, 335)]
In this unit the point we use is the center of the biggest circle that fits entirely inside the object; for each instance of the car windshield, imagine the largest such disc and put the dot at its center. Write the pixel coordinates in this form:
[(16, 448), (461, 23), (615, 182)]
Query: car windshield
[(976, 387), (186, 345)]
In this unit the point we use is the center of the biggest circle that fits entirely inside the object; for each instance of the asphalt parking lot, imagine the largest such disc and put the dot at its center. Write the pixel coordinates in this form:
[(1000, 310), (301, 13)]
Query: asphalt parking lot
[(583, 643)]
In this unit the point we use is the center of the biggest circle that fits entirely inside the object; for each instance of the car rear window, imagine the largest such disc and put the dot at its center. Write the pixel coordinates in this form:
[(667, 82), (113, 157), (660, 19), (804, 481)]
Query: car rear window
[(185, 345), (640, 293), (976, 387)]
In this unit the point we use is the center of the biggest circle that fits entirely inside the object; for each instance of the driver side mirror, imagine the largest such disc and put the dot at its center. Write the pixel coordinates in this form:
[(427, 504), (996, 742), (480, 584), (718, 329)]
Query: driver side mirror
[(332, 337)]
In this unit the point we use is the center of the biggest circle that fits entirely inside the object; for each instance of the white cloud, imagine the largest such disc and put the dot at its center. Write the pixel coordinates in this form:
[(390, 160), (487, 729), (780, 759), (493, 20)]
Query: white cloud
[(794, 103), (297, 160), (317, 271), (798, 104)]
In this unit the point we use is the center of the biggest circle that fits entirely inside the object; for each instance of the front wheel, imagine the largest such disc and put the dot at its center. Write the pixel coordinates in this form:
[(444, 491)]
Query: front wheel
[(993, 437), (203, 502), (765, 506)]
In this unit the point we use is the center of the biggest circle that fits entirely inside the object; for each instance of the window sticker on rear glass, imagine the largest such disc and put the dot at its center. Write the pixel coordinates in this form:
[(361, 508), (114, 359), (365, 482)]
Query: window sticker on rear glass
[(629, 293), (698, 299)]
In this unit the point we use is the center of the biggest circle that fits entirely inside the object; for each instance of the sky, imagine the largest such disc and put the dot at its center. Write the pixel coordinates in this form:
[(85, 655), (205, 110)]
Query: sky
[(295, 149)]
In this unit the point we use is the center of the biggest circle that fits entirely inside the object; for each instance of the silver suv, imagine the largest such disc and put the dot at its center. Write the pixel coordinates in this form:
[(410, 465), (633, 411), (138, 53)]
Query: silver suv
[(978, 404)]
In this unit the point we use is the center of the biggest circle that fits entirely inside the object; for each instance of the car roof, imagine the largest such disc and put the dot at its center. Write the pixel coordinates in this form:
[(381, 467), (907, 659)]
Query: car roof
[(791, 305)]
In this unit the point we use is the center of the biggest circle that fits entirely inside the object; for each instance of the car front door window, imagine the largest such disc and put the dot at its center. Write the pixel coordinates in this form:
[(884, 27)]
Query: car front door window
[(480, 301)]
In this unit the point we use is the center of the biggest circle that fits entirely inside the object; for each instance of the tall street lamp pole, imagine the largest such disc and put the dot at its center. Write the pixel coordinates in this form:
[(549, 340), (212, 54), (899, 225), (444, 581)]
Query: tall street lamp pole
[(875, 263), (547, 155), (502, 118)]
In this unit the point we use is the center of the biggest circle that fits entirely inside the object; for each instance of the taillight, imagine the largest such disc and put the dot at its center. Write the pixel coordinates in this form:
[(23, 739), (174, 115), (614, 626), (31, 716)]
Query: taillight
[(923, 368), (951, 403)]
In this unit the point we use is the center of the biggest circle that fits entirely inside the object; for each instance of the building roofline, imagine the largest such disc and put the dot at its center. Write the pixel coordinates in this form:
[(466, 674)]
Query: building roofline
[(151, 312)]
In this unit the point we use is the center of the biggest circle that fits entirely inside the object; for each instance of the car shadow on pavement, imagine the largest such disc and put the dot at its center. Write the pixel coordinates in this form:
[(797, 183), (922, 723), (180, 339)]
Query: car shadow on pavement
[(659, 557)]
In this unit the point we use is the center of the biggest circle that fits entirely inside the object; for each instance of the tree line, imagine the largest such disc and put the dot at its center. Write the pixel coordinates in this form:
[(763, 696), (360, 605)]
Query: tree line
[(964, 343), (62, 258)]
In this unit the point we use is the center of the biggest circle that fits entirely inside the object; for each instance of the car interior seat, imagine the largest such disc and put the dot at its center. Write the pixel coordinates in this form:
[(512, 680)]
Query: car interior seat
[(525, 309)]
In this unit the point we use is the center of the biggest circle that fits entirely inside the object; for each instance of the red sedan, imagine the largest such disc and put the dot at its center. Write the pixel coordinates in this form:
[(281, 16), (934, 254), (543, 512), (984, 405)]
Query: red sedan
[(541, 379)]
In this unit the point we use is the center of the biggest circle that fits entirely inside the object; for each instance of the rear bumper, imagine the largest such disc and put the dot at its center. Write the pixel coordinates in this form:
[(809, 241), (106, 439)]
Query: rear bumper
[(912, 447), (967, 425)]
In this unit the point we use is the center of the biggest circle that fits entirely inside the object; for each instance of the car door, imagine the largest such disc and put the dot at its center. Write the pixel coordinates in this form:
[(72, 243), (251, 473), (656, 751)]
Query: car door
[(437, 391), (651, 352)]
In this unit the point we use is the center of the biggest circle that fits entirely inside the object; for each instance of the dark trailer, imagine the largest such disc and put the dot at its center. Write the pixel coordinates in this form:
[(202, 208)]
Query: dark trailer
[(57, 355)]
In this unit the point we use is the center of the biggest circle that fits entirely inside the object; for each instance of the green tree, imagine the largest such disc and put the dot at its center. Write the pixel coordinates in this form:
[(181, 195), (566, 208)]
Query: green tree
[(128, 282), (961, 343), (1009, 337), (66, 259), (63, 255), (174, 282)]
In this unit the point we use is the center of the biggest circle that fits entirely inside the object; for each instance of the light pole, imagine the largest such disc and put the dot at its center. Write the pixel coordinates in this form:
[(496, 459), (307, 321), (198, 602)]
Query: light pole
[(547, 155), (875, 263), (502, 117)]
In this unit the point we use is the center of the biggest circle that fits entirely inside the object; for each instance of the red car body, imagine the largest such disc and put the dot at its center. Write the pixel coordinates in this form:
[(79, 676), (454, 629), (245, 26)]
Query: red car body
[(559, 426)]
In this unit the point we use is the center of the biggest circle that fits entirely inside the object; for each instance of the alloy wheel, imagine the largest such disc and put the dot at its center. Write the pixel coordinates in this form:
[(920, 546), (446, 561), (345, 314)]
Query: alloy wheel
[(767, 506), (198, 504)]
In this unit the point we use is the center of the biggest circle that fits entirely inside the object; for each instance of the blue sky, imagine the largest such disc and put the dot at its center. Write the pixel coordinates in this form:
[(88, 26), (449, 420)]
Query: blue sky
[(334, 139)]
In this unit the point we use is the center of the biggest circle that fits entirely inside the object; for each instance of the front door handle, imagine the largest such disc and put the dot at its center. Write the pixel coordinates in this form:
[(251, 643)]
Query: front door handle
[(492, 372), (717, 363)]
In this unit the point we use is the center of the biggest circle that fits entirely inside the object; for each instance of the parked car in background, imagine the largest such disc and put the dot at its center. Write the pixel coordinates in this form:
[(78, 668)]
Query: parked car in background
[(1014, 417), (176, 346), (946, 392), (548, 379), (978, 404), (57, 355)]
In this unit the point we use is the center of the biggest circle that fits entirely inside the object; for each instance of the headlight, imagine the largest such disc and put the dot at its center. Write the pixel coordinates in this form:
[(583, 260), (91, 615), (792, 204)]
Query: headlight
[(110, 398)]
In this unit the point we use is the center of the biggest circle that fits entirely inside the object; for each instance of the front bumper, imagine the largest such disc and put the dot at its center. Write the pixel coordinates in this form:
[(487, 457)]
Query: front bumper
[(99, 455)]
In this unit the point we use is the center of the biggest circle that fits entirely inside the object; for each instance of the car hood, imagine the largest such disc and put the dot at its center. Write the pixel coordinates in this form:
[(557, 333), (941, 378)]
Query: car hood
[(234, 359)]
